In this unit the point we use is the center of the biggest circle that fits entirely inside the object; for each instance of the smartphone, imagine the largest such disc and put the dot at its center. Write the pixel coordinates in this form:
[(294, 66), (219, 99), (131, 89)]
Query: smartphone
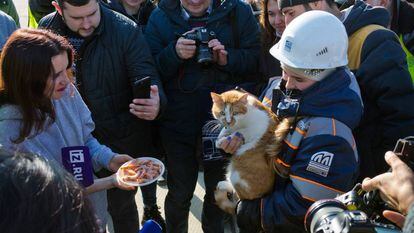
[(141, 88)]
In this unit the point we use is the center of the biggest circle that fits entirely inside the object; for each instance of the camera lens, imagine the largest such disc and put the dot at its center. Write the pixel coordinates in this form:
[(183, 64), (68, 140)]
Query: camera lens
[(319, 211), (204, 54)]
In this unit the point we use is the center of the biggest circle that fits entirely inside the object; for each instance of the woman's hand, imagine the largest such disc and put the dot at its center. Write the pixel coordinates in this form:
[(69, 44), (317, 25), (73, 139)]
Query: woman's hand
[(120, 185), (118, 160)]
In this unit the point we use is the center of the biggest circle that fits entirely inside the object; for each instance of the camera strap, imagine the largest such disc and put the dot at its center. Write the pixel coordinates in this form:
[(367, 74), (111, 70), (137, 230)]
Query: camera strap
[(206, 73), (234, 29)]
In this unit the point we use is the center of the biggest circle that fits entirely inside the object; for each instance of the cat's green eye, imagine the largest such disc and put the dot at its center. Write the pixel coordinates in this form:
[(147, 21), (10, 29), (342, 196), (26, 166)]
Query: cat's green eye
[(222, 113)]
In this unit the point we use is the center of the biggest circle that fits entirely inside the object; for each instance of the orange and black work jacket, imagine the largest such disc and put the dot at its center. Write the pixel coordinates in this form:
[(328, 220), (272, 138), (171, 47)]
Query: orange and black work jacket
[(320, 153)]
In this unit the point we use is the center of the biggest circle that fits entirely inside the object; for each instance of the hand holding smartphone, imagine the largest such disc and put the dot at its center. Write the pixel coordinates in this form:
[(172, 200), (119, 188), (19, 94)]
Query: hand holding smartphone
[(142, 88)]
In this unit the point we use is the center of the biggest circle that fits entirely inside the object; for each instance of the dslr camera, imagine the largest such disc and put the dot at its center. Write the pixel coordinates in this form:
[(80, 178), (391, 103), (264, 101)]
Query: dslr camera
[(202, 36), (357, 211)]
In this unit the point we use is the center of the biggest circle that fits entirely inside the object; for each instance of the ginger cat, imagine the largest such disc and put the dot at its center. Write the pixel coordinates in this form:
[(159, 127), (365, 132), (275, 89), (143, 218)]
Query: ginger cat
[(250, 171)]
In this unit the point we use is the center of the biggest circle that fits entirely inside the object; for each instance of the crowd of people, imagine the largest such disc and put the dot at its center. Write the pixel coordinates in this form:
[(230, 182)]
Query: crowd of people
[(344, 71)]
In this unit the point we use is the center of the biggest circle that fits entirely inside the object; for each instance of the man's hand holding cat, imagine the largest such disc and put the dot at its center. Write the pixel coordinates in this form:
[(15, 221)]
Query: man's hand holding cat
[(232, 143)]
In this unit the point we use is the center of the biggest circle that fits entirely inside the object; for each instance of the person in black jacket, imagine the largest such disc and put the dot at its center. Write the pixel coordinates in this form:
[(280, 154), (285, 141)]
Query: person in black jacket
[(402, 23), (138, 11), (380, 67), (40, 8), (235, 54), (111, 53)]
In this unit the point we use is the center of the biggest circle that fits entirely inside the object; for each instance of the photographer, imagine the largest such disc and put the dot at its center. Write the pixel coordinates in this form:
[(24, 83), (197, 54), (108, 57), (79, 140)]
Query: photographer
[(397, 188), (198, 47)]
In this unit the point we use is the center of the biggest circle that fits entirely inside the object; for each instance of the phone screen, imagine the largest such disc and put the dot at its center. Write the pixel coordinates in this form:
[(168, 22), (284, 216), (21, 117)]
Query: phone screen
[(142, 88)]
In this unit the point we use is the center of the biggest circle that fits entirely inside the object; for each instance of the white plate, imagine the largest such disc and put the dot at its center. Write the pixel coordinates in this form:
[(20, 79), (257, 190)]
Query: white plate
[(131, 183)]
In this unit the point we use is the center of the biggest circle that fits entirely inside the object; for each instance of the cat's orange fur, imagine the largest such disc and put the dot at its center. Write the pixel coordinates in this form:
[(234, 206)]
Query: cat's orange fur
[(254, 165)]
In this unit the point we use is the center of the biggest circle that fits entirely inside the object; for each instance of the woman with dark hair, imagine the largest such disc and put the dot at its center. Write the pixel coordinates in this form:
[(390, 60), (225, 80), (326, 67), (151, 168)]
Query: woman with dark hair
[(272, 26), (38, 197), (42, 112), (272, 22)]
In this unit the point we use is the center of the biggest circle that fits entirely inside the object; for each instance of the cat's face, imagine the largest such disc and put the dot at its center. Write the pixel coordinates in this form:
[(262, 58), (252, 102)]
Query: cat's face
[(229, 107)]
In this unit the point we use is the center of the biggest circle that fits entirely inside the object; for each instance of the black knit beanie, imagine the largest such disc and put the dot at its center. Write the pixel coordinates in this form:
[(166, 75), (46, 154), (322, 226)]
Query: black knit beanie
[(285, 3)]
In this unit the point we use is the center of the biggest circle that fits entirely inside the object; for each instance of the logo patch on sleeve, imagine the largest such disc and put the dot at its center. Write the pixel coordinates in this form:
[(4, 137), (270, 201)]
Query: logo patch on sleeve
[(320, 163)]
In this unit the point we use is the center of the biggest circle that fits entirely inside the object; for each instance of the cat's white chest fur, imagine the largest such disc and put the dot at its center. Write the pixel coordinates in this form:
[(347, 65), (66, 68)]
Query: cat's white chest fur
[(253, 126), (234, 177)]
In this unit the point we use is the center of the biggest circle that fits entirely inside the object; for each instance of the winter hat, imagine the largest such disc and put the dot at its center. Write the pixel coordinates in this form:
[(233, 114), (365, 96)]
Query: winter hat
[(285, 3), (313, 74)]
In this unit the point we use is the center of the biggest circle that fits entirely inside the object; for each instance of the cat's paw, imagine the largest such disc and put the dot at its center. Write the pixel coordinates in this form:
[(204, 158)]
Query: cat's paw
[(225, 198), (224, 191), (225, 186)]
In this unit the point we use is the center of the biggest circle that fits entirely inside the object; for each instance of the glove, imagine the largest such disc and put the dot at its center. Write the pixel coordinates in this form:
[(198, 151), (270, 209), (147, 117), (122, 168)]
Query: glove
[(248, 215)]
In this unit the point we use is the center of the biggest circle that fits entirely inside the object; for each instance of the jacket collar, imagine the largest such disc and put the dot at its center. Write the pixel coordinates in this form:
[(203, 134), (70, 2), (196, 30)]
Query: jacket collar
[(362, 15), (332, 97)]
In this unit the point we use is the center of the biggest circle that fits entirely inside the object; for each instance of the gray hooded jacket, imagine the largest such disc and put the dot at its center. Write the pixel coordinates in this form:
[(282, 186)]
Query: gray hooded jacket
[(73, 127)]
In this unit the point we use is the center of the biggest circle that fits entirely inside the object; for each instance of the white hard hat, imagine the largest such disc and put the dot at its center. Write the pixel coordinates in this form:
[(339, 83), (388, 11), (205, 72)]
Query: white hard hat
[(313, 40)]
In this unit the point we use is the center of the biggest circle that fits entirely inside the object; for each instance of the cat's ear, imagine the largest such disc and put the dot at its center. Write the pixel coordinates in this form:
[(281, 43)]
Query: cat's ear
[(216, 98), (243, 98)]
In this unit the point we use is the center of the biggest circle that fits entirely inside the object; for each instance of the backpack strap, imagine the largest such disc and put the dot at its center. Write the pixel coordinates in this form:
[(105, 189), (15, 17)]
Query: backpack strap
[(356, 41)]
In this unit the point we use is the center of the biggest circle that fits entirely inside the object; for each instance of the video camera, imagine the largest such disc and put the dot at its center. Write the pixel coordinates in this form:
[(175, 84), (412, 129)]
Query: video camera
[(356, 211), (202, 36)]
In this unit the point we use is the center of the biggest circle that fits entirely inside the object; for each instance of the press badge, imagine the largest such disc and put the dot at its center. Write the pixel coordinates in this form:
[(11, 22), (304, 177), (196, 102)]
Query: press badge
[(77, 161)]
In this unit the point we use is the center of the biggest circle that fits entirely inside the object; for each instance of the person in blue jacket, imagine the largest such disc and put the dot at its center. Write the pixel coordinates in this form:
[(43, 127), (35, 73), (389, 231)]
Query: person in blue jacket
[(8, 26), (319, 159), (235, 49), (380, 67)]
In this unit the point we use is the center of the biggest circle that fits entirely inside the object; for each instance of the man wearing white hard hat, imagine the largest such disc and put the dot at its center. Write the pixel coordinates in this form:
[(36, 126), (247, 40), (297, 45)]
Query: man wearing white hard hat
[(380, 67), (320, 159)]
